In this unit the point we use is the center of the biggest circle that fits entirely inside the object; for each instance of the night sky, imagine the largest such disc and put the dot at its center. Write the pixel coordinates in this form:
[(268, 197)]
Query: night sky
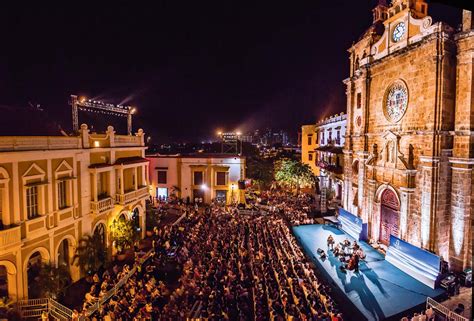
[(190, 67)]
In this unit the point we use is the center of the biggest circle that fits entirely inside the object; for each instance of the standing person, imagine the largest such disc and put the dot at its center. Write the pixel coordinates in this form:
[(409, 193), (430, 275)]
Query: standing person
[(330, 242)]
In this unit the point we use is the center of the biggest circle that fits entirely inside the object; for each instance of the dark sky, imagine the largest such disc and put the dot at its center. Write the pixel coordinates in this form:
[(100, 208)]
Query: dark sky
[(190, 67)]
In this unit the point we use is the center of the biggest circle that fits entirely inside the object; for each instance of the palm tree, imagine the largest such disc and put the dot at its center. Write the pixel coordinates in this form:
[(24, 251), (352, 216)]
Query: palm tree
[(91, 253), (52, 280)]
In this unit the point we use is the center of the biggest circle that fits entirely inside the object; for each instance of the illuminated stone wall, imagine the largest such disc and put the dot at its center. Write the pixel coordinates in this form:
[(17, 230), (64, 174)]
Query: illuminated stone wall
[(427, 155)]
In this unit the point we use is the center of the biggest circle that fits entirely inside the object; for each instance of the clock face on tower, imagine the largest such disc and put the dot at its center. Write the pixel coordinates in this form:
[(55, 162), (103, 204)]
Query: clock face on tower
[(398, 31), (396, 101)]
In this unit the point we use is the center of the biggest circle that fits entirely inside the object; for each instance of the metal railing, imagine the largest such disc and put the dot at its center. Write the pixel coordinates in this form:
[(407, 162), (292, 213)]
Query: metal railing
[(443, 310), (92, 309), (34, 308)]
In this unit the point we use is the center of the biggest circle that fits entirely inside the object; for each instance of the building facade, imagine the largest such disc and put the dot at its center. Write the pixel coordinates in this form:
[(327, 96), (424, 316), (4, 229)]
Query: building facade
[(56, 189), (329, 158), (321, 149), (206, 177), (409, 152)]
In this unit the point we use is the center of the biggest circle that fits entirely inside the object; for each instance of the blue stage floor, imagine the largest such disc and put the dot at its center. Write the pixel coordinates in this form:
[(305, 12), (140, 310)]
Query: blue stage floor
[(379, 291)]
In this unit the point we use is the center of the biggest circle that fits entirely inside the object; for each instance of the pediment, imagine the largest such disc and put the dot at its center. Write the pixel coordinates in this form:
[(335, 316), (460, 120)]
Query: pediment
[(63, 167), (34, 170)]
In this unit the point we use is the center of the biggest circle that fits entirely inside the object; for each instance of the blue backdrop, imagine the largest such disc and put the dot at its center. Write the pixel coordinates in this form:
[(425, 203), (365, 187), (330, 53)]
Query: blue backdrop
[(353, 225), (419, 263)]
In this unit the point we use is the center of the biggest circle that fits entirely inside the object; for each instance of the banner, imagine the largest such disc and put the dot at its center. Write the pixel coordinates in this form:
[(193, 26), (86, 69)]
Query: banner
[(416, 262), (352, 225)]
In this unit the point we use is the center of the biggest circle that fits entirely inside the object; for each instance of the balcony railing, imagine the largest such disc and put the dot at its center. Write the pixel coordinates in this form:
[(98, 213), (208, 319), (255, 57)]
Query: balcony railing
[(10, 237), (132, 196), (102, 205), (142, 192)]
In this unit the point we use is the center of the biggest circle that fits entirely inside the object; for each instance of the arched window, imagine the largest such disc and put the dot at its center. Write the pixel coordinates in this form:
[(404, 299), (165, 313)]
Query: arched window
[(136, 219), (3, 282), (100, 232)]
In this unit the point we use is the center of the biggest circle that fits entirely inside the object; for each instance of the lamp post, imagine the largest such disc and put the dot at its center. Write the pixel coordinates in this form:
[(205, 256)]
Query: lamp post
[(232, 187)]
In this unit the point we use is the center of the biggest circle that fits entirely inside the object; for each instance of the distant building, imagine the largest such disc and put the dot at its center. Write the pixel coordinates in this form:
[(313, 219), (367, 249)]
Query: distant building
[(329, 158), (203, 176), (309, 143), (321, 149)]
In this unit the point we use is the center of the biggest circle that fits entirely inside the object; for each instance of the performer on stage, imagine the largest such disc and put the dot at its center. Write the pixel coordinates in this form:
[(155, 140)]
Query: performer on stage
[(337, 251), (353, 264), (330, 241), (360, 253)]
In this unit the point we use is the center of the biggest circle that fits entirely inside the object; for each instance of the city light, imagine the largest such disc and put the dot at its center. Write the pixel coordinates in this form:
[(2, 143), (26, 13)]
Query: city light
[(204, 187)]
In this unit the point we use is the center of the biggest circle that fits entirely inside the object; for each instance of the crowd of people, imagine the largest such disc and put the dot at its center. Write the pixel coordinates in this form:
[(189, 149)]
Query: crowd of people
[(295, 209), (234, 267)]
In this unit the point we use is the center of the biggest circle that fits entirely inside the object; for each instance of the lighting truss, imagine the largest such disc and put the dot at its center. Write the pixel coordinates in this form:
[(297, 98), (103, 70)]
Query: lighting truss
[(94, 106)]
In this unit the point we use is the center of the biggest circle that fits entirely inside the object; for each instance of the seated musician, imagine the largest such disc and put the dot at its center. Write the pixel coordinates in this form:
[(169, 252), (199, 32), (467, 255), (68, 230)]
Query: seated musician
[(346, 243), (330, 241), (355, 246), (353, 264), (337, 251), (360, 253)]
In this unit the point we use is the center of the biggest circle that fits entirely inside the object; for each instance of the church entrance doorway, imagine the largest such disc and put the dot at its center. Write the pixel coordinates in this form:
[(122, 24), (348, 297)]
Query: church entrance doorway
[(389, 217)]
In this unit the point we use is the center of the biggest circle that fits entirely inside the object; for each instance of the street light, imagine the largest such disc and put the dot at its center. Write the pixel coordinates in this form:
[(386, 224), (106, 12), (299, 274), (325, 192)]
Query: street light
[(232, 187)]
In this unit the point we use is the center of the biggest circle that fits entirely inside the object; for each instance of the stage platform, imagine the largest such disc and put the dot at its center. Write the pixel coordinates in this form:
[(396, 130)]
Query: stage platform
[(380, 291)]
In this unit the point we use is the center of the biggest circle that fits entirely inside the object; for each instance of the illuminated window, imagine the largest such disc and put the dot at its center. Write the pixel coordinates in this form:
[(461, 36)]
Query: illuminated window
[(62, 194), (32, 201)]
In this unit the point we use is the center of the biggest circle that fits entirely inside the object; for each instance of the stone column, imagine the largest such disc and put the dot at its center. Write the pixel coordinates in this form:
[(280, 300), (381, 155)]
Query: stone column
[(49, 189), (370, 206), (347, 188), (406, 199), (429, 194), (121, 178), (361, 204), (94, 187), (135, 173), (6, 216), (17, 217), (462, 196)]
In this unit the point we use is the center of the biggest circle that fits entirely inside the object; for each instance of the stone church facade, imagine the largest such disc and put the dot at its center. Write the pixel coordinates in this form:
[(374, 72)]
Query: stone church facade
[(409, 149)]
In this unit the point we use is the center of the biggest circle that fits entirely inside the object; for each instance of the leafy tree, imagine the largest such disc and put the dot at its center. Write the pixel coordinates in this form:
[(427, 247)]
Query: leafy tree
[(152, 219), (124, 234), (293, 174), (260, 170), (52, 280), (91, 253)]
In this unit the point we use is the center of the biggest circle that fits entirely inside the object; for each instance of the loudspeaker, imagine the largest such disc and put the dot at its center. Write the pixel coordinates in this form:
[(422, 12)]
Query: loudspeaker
[(242, 184), (319, 251)]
